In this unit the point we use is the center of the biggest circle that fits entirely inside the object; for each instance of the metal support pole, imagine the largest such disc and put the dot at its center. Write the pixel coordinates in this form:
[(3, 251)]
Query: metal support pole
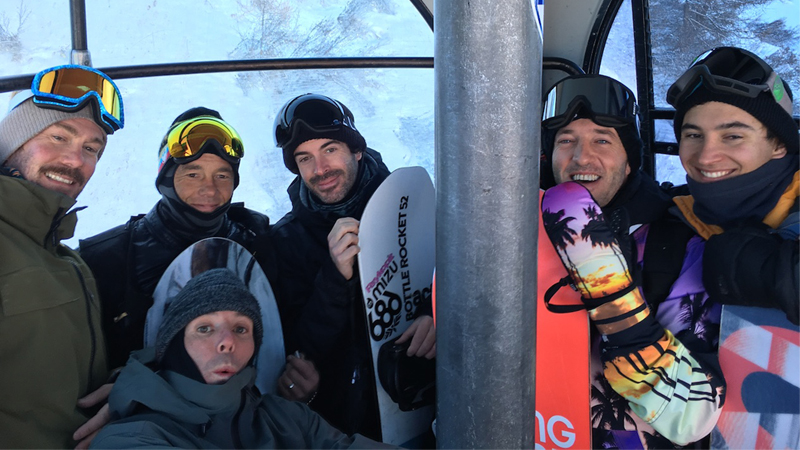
[(80, 49), (488, 59)]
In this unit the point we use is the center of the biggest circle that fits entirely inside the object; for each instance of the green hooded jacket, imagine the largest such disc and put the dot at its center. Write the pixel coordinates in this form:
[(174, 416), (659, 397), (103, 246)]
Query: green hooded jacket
[(51, 346)]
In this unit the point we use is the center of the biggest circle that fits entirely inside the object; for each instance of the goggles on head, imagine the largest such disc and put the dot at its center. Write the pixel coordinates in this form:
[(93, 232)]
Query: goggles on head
[(730, 70), (70, 87), (317, 112), (605, 100), (185, 140)]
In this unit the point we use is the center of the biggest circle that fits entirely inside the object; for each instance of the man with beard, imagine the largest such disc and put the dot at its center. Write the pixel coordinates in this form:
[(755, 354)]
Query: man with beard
[(319, 293), (195, 388), (52, 352), (739, 145), (655, 376), (198, 171)]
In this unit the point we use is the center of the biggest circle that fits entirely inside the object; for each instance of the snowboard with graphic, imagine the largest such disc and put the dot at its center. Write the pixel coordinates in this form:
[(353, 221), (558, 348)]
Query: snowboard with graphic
[(759, 351), (216, 253), (397, 240), (563, 382)]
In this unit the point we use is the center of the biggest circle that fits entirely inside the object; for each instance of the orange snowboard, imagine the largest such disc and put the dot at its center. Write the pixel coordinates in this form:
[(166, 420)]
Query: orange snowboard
[(562, 360)]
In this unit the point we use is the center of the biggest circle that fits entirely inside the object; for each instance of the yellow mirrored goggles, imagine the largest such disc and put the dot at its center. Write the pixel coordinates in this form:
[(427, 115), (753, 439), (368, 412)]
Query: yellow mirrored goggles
[(186, 139)]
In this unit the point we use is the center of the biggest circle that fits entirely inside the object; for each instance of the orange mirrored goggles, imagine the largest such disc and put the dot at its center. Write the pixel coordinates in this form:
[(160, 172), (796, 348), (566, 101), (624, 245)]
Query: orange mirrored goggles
[(70, 87)]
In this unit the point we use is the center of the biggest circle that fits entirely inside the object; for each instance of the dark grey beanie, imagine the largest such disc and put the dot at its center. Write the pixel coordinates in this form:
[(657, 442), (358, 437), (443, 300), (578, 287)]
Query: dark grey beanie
[(27, 120), (211, 291)]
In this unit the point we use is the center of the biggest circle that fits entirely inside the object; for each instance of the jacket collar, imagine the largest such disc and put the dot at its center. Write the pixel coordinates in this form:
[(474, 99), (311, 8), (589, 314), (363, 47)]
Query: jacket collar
[(174, 395), (685, 207), (36, 211), (324, 220)]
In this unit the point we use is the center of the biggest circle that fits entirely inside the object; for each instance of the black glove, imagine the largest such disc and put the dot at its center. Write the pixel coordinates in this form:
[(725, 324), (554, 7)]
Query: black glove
[(750, 266)]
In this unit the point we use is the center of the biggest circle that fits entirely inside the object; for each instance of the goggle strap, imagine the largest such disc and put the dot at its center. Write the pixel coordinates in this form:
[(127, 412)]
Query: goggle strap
[(101, 115), (774, 81)]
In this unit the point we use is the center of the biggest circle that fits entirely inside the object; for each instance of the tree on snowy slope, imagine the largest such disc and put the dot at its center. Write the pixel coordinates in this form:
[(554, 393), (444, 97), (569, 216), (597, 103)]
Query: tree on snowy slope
[(683, 29)]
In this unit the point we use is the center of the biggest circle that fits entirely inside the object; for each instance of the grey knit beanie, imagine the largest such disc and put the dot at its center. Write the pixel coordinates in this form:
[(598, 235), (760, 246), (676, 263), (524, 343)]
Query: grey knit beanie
[(211, 291), (27, 120)]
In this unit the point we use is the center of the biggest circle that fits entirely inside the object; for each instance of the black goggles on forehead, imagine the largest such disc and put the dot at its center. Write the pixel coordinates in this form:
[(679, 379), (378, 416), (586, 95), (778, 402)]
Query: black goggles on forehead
[(730, 70), (605, 100), (317, 112)]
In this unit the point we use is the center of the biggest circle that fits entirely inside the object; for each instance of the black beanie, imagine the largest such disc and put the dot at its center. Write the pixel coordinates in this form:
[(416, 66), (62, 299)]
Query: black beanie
[(208, 146), (763, 107), (301, 132), (206, 293), (352, 138)]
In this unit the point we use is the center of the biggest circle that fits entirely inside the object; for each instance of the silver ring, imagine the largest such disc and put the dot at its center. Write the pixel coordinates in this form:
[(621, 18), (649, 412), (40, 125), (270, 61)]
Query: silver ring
[(291, 386)]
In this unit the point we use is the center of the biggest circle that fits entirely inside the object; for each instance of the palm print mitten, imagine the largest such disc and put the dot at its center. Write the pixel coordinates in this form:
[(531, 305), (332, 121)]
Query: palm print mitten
[(662, 381), (592, 256)]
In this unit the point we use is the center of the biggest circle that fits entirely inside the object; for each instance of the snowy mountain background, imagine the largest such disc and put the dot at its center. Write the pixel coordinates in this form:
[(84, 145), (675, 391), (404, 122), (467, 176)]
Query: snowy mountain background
[(393, 107)]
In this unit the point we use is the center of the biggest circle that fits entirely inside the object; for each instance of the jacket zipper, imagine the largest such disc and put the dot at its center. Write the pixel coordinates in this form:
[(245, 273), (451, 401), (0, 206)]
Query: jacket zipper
[(88, 297), (237, 439), (53, 235)]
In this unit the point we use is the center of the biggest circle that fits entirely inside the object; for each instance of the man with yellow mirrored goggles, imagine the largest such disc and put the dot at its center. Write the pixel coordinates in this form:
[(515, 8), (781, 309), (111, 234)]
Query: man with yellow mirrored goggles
[(188, 139), (199, 159)]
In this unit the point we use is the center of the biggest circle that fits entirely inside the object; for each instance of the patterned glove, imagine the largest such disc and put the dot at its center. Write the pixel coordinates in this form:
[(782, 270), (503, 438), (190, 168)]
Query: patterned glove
[(592, 256)]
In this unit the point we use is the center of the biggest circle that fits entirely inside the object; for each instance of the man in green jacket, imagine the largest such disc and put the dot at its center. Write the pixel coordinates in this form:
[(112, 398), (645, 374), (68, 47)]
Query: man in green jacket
[(195, 388), (52, 352)]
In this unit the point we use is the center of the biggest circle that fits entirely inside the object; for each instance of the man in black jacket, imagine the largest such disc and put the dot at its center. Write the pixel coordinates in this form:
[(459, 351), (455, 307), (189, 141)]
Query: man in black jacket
[(317, 242), (198, 171)]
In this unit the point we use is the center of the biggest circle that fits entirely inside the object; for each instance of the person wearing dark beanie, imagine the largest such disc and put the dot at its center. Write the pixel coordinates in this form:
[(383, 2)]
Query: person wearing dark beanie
[(739, 145), (618, 217), (196, 387), (198, 170), (321, 307)]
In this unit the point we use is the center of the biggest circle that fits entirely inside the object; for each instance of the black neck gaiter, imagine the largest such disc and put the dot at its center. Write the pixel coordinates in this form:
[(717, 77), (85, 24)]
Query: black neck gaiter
[(745, 198), (177, 360), (185, 221)]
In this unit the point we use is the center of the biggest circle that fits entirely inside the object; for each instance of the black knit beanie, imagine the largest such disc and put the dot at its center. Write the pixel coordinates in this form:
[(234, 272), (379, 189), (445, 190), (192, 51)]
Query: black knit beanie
[(763, 107), (303, 133), (211, 291), (210, 146)]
